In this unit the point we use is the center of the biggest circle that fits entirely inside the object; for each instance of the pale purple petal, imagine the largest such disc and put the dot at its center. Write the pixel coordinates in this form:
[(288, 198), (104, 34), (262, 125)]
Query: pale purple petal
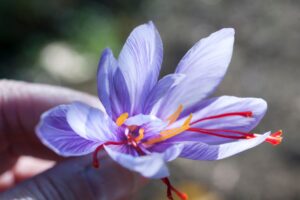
[(140, 119), (204, 65), (140, 61), (125, 149), (202, 151), (230, 149), (163, 86), (91, 123), (112, 89), (120, 98), (153, 128), (199, 151), (55, 132), (107, 67), (173, 152), (150, 166)]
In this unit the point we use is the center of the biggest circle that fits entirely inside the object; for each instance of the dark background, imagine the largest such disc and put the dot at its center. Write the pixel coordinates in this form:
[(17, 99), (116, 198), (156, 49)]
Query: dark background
[(59, 42)]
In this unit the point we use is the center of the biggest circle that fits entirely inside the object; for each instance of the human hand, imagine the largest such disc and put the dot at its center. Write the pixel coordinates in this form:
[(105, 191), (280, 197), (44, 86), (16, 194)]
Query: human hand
[(21, 105)]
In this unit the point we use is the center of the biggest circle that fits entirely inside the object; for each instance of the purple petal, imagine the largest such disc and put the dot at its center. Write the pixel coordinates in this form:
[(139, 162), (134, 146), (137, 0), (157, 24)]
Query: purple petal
[(91, 123), (112, 89), (140, 61), (125, 149), (140, 119), (150, 166), (106, 70), (229, 149), (163, 86), (199, 151), (204, 65), (153, 128), (55, 132), (221, 105), (172, 152), (120, 95), (202, 151)]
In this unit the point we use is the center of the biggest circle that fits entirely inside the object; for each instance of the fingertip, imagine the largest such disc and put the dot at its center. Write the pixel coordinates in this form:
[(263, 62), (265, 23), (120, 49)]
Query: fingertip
[(6, 180)]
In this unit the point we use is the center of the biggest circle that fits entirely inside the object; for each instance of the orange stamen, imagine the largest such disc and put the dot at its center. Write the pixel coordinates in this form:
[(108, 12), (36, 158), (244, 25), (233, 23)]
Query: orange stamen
[(164, 135), (141, 135), (121, 119), (172, 118)]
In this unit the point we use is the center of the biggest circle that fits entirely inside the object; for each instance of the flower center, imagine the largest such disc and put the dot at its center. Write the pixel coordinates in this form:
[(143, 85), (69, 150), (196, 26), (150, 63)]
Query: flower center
[(131, 140), (130, 130)]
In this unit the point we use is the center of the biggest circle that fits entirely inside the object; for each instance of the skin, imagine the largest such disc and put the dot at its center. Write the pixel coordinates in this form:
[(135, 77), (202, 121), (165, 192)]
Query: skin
[(21, 105)]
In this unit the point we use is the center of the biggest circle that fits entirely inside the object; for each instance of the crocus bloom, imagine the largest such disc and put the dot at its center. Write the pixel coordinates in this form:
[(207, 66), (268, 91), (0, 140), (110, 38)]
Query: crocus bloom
[(145, 123)]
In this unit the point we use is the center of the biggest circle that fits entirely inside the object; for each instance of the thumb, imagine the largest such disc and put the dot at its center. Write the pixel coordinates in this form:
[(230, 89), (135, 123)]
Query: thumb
[(76, 179)]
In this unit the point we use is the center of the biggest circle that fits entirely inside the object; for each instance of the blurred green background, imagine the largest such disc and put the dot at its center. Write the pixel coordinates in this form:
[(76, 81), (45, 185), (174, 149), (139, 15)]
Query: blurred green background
[(59, 42)]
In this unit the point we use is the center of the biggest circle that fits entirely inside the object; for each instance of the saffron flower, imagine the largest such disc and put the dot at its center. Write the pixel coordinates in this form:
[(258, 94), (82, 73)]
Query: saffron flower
[(145, 122)]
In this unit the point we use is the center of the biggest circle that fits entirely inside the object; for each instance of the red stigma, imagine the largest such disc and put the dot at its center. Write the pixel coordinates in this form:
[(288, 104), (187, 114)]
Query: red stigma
[(171, 188), (101, 147), (275, 138), (232, 134), (230, 114), (220, 133)]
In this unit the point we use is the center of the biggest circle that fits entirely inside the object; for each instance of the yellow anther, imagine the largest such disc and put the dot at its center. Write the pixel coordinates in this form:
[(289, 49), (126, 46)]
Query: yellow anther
[(188, 120), (164, 135), (172, 118), (141, 135), (121, 119)]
